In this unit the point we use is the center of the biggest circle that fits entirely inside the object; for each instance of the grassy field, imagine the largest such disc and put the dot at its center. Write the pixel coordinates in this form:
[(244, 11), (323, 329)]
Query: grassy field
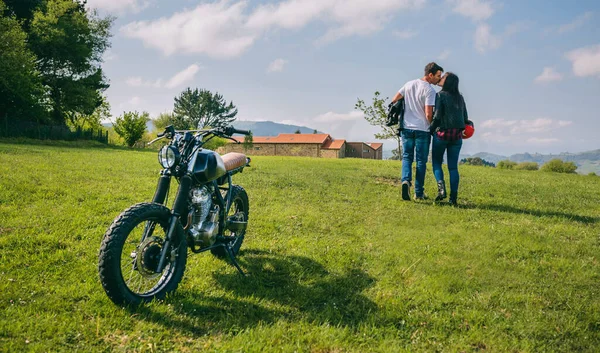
[(336, 262)]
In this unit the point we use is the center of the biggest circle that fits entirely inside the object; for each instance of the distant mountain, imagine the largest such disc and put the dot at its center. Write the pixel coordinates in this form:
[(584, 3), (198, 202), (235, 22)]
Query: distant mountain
[(269, 128), (586, 162), (490, 157)]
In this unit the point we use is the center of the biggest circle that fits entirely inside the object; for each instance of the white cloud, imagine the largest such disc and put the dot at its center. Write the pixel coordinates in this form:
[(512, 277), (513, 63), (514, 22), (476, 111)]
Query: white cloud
[(139, 82), (277, 65), (498, 123), (405, 34), (135, 102), (444, 55), (519, 132), (485, 40), (119, 6), (226, 29), (549, 75), (578, 22), (542, 141), (586, 61), (337, 117), (214, 29), (183, 76), (178, 79), (477, 10), (522, 127), (109, 55)]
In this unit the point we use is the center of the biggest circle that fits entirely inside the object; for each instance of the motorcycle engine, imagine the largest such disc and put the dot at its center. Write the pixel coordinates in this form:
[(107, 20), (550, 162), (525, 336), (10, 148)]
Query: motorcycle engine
[(204, 225)]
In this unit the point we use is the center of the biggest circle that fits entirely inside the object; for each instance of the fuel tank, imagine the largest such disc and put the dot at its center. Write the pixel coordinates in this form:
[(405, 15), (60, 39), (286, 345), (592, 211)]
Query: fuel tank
[(206, 166)]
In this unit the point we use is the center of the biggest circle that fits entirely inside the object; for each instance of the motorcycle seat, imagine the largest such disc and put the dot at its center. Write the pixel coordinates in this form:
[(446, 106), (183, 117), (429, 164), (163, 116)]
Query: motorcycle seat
[(234, 160)]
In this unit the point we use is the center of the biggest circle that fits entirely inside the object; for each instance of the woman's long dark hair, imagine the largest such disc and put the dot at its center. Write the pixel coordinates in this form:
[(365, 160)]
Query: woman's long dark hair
[(451, 86)]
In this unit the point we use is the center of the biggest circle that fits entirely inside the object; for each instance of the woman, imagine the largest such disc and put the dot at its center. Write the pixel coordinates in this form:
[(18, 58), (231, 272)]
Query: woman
[(447, 127)]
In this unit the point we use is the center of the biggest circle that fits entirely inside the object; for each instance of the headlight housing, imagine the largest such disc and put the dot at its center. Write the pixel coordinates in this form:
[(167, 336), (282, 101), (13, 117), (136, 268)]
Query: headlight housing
[(168, 156)]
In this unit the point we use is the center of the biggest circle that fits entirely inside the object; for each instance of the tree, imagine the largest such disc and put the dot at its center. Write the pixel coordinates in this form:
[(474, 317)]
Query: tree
[(248, 141), (91, 121), (376, 115), (69, 43), (315, 131), (477, 161), (165, 119), (507, 164), (527, 166), (131, 126), (20, 84), (202, 108), (298, 131), (558, 166)]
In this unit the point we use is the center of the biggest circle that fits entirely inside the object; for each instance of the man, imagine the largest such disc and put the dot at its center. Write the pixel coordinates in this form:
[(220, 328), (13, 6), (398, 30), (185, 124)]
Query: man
[(419, 100)]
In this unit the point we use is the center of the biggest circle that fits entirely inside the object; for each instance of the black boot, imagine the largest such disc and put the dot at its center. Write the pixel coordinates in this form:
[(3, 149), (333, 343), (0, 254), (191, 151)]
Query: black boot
[(453, 196), (441, 191)]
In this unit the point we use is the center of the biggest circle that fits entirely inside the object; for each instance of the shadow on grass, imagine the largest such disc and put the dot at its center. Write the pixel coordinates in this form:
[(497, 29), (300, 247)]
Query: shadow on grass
[(276, 287), (537, 213)]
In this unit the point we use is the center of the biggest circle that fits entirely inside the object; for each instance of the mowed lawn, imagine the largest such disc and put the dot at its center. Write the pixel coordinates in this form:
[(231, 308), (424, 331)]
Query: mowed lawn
[(336, 262)]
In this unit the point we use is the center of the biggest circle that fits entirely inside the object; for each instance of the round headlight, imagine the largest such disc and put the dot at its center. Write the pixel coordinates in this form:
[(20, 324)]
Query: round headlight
[(168, 156)]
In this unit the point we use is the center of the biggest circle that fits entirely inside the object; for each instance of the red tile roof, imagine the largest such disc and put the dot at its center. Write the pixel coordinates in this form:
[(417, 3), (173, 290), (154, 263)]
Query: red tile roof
[(375, 146), (334, 145)]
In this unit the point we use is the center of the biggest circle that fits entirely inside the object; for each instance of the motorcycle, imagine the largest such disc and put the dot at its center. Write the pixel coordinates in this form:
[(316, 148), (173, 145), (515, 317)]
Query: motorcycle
[(144, 251)]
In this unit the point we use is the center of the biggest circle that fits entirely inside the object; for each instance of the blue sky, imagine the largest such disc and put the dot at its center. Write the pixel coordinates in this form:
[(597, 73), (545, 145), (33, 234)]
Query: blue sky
[(529, 70)]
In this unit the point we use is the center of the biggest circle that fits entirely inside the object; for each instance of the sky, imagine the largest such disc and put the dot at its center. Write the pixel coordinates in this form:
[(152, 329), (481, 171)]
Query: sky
[(529, 70)]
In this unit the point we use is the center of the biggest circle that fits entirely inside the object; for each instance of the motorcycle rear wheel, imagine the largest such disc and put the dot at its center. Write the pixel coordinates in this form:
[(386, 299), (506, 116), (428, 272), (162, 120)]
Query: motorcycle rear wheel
[(130, 253)]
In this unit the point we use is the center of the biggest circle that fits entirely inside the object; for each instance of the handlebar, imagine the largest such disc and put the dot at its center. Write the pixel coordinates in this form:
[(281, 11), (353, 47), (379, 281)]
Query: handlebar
[(230, 130), (226, 132)]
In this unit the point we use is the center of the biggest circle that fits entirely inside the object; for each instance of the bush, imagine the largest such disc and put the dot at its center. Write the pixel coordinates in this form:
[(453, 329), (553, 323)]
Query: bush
[(592, 174), (131, 126), (558, 166), (527, 166), (506, 164)]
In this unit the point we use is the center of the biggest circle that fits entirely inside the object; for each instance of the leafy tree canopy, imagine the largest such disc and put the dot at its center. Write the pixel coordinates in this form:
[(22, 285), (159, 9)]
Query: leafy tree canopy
[(201, 109), (248, 141), (61, 46), (131, 126), (376, 114), (20, 83), (165, 119)]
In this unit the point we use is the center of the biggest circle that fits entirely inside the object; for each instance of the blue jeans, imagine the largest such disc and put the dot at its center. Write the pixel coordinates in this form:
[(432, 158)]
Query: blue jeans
[(437, 156), (415, 141)]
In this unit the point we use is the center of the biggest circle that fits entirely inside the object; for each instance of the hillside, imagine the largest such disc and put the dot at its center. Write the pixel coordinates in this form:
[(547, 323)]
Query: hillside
[(336, 262), (269, 128)]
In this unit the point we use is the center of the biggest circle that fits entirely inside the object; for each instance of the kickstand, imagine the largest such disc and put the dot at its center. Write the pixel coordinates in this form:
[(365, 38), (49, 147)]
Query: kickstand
[(233, 260)]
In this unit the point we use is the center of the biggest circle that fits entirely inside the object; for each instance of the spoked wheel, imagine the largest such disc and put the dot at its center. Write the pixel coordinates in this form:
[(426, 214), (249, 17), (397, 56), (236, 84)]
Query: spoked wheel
[(130, 254), (237, 212)]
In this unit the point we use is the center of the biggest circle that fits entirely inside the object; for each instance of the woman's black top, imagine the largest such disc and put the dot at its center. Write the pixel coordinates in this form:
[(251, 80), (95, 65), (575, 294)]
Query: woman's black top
[(450, 112)]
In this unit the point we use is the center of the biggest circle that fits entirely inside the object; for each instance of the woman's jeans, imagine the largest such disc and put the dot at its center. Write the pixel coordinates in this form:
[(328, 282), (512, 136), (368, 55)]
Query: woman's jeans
[(415, 140), (437, 156)]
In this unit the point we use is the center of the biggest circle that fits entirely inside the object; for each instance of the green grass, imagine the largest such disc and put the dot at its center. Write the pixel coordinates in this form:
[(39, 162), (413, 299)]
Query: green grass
[(336, 262)]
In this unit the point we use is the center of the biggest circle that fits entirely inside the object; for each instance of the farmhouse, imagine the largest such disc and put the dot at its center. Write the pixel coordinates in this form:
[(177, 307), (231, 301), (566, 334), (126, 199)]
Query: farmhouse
[(303, 145), (364, 150)]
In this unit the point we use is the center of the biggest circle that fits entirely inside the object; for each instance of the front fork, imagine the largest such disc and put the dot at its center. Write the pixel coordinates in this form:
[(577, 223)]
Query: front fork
[(180, 207)]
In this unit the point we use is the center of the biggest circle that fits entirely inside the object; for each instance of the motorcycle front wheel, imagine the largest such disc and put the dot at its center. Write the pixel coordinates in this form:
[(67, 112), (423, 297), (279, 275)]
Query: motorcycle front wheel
[(130, 253)]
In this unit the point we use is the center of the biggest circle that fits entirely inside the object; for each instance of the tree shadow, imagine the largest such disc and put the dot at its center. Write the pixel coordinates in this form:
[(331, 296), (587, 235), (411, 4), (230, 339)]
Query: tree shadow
[(537, 213), (291, 288)]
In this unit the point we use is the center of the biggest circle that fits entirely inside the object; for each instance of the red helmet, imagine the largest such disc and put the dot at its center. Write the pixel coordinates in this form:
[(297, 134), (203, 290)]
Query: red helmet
[(468, 132)]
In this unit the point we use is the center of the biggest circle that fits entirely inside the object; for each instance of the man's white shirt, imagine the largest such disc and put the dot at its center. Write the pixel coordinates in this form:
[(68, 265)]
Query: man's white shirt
[(417, 94)]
